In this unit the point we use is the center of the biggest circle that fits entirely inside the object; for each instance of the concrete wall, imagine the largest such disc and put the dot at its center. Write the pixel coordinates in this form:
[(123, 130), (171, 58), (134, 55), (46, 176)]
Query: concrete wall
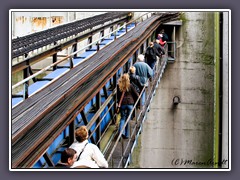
[(181, 136)]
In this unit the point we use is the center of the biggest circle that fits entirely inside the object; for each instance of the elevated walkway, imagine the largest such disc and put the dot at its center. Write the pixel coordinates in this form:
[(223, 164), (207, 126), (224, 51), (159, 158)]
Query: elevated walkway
[(76, 98)]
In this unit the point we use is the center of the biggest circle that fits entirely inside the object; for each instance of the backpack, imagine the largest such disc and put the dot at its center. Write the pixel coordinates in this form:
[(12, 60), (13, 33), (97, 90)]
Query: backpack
[(135, 85)]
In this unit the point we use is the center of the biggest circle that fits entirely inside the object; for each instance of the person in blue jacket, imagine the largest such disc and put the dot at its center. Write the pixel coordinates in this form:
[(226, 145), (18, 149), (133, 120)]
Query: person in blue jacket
[(143, 70)]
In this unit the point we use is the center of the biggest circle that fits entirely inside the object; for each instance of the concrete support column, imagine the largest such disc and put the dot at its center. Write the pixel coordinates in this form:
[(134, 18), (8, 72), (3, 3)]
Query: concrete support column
[(182, 136)]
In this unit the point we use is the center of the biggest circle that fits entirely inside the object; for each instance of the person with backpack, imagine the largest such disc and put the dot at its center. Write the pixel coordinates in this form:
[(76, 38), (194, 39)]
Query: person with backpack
[(135, 79)]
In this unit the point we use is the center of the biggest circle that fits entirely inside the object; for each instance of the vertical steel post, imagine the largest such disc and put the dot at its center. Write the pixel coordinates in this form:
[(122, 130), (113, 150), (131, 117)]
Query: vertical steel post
[(71, 132), (75, 49), (26, 84), (115, 96), (54, 59), (98, 130), (216, 88)]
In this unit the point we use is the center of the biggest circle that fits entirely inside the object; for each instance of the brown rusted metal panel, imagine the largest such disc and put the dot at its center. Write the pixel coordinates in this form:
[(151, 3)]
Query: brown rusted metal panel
[(38, 23), (21, 19), (56, 20)]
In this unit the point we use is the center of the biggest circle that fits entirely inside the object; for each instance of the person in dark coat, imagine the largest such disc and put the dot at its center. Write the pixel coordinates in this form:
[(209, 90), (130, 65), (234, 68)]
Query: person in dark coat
[(159, 48), (151, 55), (165, 36), (128, 101), (135, 79)]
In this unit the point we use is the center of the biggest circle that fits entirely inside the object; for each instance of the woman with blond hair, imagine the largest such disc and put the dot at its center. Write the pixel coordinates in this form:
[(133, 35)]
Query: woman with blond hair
[(129, 96)]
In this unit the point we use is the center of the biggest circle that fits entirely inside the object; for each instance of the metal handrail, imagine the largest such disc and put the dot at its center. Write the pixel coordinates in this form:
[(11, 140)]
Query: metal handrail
[(128, 119), (147, 90)]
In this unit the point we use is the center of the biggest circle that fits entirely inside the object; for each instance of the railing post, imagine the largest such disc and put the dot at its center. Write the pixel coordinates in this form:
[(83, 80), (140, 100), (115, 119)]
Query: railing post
[(98, 47), (71, 62), (75, 49), (48, 160), (25, 87), (89, 42), (115, 35), (115, 95), (54, 60), (71, 132), (174, 52), (122, 150), (98, 105)]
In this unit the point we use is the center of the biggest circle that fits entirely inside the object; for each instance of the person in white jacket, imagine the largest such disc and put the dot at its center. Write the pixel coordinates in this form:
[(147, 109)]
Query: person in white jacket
[(89, 155)]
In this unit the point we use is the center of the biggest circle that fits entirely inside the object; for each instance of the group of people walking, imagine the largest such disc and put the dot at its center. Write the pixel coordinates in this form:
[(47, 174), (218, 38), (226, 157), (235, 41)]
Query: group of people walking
[(131, 84), (82, 153), (156, 48), (129, 87)]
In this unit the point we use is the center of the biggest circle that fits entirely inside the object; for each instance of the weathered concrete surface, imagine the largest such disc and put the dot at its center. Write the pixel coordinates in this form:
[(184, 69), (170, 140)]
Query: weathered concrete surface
[(182, 136)]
